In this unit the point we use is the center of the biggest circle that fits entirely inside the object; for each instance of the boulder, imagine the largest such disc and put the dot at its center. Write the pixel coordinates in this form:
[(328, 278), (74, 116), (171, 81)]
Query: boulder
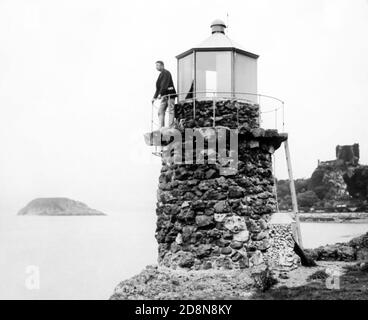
[(204, 221)]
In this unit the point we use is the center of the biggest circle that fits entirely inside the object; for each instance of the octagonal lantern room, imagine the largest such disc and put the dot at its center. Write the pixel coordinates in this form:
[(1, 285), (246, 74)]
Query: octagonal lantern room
[(218, 67)]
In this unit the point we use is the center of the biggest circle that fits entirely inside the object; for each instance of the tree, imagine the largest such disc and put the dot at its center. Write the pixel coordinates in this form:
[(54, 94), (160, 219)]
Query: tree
[(307, 199)]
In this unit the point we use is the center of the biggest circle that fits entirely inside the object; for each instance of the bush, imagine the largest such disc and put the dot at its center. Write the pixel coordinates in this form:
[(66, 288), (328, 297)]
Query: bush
[(318, 275), (364, 267), (264, 280), (301, 185), (283, 189), (307, 199)]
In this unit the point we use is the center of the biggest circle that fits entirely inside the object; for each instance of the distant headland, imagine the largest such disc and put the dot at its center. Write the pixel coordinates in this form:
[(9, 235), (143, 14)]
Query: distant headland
[(58, 207)]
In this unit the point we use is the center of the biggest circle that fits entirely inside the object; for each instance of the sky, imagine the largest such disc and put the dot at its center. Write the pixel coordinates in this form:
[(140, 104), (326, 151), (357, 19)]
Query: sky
[(77, 78)]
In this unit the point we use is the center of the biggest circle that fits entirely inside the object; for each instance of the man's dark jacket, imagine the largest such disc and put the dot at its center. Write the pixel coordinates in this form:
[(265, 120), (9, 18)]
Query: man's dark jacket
[(164, 84)]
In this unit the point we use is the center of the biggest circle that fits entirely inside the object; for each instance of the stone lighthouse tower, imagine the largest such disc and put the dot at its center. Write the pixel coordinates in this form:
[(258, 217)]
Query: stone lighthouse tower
[(216, 194)]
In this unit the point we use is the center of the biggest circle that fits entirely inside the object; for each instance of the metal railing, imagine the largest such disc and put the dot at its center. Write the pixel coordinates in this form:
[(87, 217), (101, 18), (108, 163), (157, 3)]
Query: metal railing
[(269, 107)]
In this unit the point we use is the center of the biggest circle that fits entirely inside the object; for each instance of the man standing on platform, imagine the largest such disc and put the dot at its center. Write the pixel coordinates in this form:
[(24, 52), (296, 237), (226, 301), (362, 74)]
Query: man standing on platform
[(165, 91)]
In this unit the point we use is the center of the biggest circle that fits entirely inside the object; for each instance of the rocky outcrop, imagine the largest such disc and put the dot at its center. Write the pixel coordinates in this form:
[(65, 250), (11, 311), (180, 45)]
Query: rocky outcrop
[(57, 207), (357, 182), (360, 247), (158, 283), (336, 185), (327, 182), (333, 252), (354, 250)]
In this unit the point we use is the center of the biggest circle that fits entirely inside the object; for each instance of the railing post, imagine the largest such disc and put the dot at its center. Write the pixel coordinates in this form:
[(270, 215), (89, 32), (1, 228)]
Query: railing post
[(259, 110), (214, 110), (152, 116), (237, 113), (194, 106), (276, 118), (283, 117)]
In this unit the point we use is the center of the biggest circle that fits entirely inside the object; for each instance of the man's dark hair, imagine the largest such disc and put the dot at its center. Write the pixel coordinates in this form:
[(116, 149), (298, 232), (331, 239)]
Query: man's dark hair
[(160, 62)]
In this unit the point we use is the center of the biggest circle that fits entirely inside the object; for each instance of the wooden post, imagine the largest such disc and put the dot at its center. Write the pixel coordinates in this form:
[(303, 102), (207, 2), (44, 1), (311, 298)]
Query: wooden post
[(293, 194)]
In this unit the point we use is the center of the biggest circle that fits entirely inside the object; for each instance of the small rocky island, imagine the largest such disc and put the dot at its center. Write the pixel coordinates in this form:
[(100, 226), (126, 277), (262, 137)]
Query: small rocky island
[(58, 207)]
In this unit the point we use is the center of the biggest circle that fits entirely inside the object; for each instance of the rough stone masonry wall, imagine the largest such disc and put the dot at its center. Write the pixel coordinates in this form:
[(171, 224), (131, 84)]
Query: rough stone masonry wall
[(227, 113), (280, 254), (205, 220)]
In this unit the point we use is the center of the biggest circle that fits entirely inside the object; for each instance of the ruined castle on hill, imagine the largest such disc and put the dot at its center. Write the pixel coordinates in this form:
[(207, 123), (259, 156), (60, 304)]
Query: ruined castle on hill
[(335, 185), (345, 156)]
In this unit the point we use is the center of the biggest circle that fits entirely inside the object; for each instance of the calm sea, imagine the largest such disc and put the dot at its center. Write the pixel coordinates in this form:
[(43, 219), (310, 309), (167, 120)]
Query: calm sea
[(86, 257)]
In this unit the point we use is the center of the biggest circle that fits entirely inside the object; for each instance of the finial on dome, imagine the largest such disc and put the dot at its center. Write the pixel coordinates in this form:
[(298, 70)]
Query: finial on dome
[(218, 26)]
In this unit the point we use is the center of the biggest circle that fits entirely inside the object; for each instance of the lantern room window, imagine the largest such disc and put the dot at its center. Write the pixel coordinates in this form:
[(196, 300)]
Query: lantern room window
[(186, 76), (213, 73)]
